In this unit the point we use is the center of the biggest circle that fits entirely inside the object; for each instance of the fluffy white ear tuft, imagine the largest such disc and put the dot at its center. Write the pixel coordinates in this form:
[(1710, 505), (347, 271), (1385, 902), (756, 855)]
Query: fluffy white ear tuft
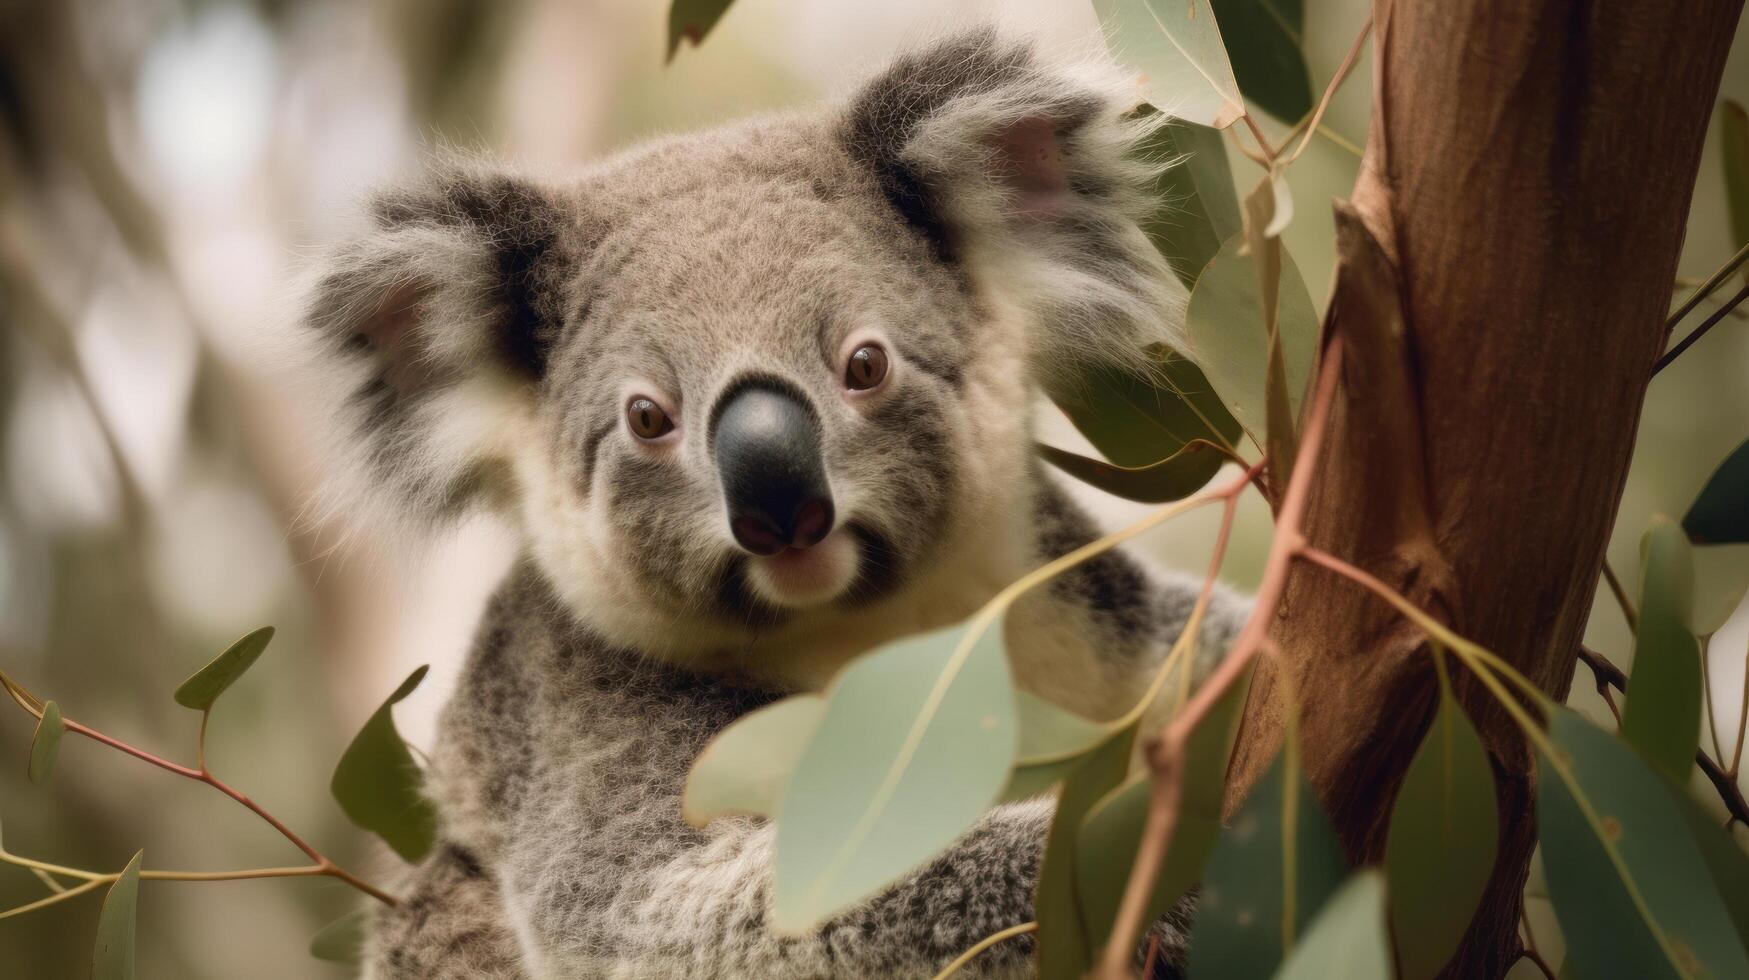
[(1027, 173)]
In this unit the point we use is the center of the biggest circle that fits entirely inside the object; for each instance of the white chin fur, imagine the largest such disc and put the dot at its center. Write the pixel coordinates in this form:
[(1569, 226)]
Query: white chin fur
[(798, 579)]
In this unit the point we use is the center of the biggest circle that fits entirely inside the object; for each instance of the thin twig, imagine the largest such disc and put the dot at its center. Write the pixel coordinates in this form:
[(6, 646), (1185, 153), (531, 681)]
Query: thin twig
[(1535, 957), (1621, 597), (323, 865), (1704, 289), (1269, 152), (1700, 331), (1348, 62), (1725, 784), (1165, 755), (986, 943)]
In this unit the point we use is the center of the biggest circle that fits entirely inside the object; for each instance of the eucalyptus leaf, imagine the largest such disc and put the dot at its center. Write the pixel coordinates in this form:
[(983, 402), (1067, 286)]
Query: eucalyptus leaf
[(1066, 947), (691, 20), (1196, 208), (45, 745), (1347, 939), (1173, 478), (1629, 884), (1724, 859), (1247, 917), (1720, 515), (1440, 850), (917, 741), (377, 782), (342, 941), (113, 956), (1735, 141), (1112, 831), (1053, 741), (1230, 340), (745, 767), (1280, 414), (1721, 578), (1662, 717), (1176, 45), (1263, 41), (206, 684), (1137, 418)]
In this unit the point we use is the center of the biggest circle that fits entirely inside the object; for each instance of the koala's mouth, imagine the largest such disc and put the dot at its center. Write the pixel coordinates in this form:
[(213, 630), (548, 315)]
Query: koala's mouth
[(853, 565), (797, 578)]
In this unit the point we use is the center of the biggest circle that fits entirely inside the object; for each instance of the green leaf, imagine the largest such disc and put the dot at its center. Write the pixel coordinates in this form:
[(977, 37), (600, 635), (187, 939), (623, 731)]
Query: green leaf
[(1197, 209), (1662, 718), (1280, 414), (1052, 743), (1176, 46), (113, 957), (1736, 158), (1173, 478), (1263, 41), (917, 741), (1725, 861), (204, 687), (1440, 851), (1065, 945), (745, 768), (1113, 829), (1720, 515), (377, 782), (1246, 910), (692, 20), (1230, 339), (45, 745), (1630, 886), (1721, 577), (1136, 420), (1347, 939), (342, 941)]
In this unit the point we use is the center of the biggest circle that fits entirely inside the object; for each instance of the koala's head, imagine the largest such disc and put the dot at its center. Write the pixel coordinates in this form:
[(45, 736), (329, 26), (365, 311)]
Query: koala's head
[(767, 382)]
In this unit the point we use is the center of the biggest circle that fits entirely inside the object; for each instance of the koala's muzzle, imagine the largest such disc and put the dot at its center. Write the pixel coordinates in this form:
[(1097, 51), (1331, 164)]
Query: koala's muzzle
[(766, 440)]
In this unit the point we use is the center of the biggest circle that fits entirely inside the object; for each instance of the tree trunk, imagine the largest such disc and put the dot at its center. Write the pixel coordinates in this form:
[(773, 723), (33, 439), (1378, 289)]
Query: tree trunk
[(1503, 276)]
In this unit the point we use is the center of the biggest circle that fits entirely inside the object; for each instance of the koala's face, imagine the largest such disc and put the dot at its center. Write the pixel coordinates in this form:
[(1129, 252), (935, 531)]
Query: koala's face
[(765, 384)]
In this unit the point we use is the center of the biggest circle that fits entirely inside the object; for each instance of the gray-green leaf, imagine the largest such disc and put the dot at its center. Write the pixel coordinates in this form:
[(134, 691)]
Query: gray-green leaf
[(113, 956), (745, 767), (1176, 46), (1662, 718), (1263, 41), (1196, 208), (1136, 419), (45, 745), (1629, 884), (1053, 741), (1065, 946), (1230, 340), (1246, 909), (377, 783), (342, 941), (1173, 478), (206, 684), (692, 20), (1347, 939), (917, 741), (1440, 852)]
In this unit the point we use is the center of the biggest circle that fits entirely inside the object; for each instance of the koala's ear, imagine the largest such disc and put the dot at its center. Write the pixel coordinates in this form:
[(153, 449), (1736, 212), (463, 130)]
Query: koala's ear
[(1023, 171), (436, 326)]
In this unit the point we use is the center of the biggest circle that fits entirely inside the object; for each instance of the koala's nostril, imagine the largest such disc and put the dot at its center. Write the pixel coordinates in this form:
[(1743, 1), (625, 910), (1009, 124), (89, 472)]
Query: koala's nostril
[(766, 440)]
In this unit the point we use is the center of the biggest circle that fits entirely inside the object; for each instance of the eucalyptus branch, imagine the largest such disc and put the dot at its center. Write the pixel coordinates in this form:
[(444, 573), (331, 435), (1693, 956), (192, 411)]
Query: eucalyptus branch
[(1705, 289), (1166, 754), (323, 866), (983, 944)]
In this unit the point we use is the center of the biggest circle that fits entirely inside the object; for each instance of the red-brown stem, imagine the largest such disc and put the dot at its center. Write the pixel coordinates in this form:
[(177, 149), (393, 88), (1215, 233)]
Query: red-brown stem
[(1165, 755), (1336, 81), (324, 866)]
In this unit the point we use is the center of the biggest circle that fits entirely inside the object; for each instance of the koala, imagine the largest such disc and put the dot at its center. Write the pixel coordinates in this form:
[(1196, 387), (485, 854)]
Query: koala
[(757, 400)]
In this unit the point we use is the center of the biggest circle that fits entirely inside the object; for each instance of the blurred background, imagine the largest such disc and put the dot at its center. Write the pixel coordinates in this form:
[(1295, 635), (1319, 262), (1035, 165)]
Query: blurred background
[(166, 168)]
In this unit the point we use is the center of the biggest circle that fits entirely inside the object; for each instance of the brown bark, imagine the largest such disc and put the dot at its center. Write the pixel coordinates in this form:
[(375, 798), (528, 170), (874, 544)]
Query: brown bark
[(1503, 277)]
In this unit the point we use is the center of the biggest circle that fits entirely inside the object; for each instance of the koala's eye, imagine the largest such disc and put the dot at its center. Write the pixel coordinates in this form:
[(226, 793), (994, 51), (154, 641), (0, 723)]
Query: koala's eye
[(867, 368), (647, 419)]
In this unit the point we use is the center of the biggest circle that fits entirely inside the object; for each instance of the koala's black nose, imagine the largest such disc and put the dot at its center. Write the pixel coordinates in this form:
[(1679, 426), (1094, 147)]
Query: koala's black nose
[(766, 440)]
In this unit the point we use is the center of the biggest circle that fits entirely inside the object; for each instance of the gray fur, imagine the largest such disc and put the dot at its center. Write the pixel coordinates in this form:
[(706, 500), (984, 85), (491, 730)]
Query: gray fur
[(973, 210)]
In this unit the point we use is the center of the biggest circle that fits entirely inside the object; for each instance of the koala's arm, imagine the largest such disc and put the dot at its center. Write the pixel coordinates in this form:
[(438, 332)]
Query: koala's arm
[(685, 904)]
